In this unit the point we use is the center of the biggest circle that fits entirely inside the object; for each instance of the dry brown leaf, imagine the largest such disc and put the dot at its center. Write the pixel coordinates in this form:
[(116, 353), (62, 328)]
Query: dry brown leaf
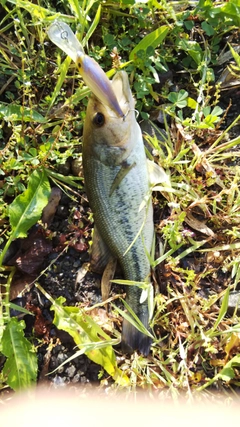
[(53, 202), (25, 283), (198, 225), (83, 270), (107, 277)]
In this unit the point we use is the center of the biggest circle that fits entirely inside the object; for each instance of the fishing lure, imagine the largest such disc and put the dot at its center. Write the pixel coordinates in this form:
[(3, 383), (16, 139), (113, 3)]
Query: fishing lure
[(63, 37), (93, 75)]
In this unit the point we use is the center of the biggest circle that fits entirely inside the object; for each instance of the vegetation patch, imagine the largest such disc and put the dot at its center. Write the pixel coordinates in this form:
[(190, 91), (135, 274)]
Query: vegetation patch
[(183, 62)]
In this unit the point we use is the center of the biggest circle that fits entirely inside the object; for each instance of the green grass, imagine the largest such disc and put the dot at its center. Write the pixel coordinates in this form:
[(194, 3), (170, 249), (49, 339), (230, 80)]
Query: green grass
[(42, 108)]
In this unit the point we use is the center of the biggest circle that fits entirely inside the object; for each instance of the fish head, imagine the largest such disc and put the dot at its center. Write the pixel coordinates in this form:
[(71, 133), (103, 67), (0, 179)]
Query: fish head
[(107, 136)]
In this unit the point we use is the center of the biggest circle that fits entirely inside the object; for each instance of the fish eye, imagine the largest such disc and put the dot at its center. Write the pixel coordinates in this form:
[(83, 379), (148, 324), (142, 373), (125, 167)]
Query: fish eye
[(99, 119)]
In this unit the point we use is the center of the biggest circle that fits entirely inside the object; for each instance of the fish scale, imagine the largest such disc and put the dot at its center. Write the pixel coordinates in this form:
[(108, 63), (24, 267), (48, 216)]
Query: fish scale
[(117, 214)]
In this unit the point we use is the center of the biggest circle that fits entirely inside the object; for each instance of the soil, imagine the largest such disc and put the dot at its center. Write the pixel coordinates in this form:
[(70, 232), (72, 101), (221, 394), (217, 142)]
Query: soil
[(57, 272)]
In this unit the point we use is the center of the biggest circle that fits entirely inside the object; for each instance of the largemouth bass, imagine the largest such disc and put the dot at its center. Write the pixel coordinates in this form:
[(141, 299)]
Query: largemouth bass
[(118, 189), (116, 179)]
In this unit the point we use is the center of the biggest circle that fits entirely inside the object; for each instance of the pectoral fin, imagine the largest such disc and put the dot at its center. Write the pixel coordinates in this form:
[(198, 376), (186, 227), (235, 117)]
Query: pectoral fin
[(120, 175)]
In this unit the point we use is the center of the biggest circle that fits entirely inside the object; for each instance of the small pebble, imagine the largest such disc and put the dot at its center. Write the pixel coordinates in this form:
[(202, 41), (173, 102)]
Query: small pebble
[(234, 303), (64, 169), (70, 371), (59, 381), (77, 167), (61, 357), (76, 378)]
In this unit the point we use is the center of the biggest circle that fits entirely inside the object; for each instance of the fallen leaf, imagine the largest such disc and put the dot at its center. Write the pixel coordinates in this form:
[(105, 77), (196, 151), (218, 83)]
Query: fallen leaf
[(198, 225), (32, 252), (50, 209), (107, 276), (24, 283), (83, 270)]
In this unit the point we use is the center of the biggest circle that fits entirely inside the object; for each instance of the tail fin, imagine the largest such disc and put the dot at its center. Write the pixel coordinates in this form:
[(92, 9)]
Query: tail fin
[(133, 339)]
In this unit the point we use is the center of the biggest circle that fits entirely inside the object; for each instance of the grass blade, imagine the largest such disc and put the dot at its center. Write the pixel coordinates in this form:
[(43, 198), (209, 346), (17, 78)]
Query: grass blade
[(152, 39)]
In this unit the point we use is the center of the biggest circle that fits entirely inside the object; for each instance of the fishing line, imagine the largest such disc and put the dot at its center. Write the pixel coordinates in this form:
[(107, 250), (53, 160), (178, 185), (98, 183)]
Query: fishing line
[(131, 109)]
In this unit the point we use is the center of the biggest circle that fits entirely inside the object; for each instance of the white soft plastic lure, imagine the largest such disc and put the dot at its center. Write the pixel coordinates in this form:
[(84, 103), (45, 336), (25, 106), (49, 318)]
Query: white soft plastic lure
[(93, 75)]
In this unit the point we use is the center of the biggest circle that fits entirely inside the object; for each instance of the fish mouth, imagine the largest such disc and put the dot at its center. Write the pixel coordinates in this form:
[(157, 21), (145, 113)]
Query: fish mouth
[(121, 88)]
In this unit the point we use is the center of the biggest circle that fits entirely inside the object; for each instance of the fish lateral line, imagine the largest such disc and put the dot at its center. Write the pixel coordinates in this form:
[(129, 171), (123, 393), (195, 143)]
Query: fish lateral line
[(140, 229)]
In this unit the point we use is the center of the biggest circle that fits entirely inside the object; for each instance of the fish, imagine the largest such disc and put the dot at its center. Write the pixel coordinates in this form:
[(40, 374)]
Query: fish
[(93, 75), (119, 193), (116, 180)]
